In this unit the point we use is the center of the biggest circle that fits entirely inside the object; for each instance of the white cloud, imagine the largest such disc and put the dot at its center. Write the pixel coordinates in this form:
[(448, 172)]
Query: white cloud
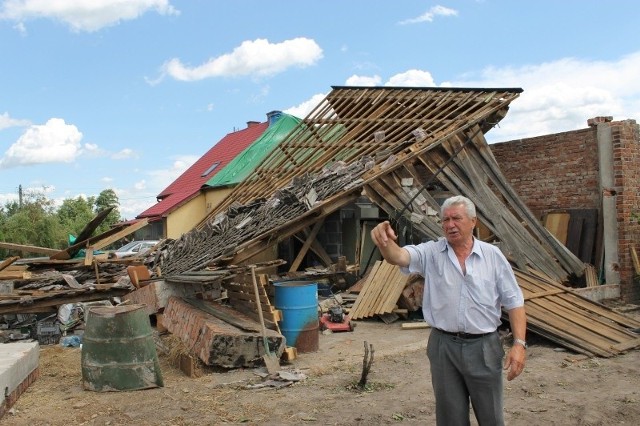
[(161, 178), (562, 95), (430, 15), (53, 142), (411, 78), (8, 197), (135, 200), (124, 154), (258, 58), (558, 96), (82, 15), (359, 80), (7, 122), (303, 109)]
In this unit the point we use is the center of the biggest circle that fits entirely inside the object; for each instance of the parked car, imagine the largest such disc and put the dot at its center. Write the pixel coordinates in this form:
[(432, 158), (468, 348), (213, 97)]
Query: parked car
[(134, 248)]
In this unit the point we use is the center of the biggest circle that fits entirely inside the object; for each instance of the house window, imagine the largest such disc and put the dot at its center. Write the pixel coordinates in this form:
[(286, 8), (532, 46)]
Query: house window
[(210, 169)]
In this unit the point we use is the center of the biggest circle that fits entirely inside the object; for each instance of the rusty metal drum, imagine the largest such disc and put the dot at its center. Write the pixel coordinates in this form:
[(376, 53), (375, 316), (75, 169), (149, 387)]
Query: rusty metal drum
[(300, 325), (118, 350)]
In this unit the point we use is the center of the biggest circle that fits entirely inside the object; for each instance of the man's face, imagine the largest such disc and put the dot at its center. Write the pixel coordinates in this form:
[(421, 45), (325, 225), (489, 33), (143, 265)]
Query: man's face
[(457, 225)]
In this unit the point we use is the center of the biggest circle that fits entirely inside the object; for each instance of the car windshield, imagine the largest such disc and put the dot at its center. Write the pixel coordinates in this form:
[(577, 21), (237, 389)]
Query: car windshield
[(139, 244), (128, 246)]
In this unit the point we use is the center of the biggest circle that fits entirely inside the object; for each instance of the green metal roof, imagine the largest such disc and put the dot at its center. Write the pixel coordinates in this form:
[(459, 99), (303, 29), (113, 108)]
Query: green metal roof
[(245, 162)]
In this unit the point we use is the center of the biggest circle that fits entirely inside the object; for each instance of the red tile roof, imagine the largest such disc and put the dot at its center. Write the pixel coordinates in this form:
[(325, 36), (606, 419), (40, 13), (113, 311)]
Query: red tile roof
[(188, 184)]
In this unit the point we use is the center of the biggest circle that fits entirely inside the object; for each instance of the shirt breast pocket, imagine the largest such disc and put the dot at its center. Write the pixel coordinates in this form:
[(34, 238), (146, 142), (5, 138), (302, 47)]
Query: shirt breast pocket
[(483, 292)]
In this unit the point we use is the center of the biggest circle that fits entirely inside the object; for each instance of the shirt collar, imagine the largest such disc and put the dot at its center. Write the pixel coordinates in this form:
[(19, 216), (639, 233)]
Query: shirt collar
[(444, 245)]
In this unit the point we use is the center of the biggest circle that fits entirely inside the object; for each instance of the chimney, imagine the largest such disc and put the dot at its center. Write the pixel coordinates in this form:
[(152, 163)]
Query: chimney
[(252, 123), (273, 116)]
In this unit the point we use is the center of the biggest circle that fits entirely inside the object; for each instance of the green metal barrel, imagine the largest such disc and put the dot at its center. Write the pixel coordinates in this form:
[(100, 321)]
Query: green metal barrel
[(118, 350)]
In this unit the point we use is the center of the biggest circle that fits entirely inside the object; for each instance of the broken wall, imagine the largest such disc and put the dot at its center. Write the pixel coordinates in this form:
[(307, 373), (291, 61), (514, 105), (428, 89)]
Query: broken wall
[(561, 171)]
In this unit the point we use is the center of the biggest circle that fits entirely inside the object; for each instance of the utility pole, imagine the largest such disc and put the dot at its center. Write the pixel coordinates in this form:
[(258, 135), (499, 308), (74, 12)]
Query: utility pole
[(20, 196)]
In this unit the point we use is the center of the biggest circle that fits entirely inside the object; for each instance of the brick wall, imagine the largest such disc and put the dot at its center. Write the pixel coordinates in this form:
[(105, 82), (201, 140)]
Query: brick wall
[(553, 172), (561, 171), (626, 166)]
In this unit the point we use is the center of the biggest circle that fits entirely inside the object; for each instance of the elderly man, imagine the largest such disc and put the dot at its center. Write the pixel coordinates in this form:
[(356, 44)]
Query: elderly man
[(467, 282)]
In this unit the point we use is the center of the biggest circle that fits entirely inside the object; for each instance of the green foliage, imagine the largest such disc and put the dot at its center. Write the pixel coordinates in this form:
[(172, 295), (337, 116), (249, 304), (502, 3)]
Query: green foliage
[(106, 199), (34, 223), (37, 222), (74, 214)]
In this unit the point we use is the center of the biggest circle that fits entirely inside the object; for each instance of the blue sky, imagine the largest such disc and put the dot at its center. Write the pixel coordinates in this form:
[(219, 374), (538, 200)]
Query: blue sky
[(127, 94)]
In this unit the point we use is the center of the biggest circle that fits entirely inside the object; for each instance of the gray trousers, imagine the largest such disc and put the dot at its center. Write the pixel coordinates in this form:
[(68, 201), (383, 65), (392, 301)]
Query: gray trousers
[(463, 371)]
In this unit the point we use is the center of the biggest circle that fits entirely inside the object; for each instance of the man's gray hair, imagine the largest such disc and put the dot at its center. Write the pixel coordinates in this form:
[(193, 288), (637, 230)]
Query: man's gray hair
[(459, 200)]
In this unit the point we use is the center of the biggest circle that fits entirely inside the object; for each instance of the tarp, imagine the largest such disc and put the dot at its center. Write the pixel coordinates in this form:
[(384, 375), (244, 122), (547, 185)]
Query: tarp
[(245, 162)]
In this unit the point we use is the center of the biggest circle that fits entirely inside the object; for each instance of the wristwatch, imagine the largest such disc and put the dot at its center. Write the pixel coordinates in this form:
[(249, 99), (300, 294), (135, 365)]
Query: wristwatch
[(520, 342)]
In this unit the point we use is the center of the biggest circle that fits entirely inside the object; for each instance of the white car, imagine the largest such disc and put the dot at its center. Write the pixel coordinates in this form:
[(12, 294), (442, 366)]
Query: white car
[(134, 248)]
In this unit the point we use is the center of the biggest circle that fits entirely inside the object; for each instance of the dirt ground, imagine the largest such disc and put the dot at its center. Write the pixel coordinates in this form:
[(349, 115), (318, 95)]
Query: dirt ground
[(558, 387)]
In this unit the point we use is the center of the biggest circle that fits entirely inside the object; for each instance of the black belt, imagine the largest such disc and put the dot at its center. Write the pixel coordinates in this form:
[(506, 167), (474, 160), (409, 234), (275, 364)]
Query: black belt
[(464, 335)]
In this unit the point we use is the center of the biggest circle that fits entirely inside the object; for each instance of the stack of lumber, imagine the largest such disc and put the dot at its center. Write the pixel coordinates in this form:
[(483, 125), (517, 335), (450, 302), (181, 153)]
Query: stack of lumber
[(380, 291)]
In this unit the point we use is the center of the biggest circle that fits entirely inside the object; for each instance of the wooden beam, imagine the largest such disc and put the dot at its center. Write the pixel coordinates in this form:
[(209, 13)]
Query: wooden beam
[(100, 241), (89, 228), (634, 258), (28, 249), (8, 261), (305, 247)]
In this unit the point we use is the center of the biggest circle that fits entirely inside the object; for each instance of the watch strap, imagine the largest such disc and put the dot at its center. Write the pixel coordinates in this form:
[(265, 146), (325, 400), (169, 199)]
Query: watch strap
[(520, 342)]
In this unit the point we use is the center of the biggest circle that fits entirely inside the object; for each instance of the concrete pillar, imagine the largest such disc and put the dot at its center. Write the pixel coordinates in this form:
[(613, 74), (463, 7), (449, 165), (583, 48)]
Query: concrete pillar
[(609, 193)]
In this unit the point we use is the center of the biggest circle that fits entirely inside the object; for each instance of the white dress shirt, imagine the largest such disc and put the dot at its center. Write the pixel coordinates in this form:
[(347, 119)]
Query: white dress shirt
[(468, 303)]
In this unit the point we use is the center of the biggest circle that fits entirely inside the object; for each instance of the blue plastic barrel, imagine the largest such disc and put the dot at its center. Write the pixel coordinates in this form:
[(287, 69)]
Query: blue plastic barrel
[(298, 302)]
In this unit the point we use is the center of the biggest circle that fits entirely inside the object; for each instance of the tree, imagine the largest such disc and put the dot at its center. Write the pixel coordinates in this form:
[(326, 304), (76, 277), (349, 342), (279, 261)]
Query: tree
[(106, 199), (75, 213), (36, 221), (33, 223)]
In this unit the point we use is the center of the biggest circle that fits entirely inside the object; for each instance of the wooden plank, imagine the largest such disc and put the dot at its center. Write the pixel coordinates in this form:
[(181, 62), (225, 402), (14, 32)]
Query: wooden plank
[(544, 294), (380, 292), (88, 256), (100, 241), (316, 247), (591, 276), (46, 303), (492, 170), (14, 275), (634, 258), (379, 287), (558, 224), (88, 229), (572, 320), (360, 300), (28, 249), (305, 247), (538, 314), (625, 346), (414, 325), (7, 262)]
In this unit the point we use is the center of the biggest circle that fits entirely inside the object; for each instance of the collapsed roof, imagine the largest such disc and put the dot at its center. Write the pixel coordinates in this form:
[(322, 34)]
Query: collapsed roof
[(395, 144)]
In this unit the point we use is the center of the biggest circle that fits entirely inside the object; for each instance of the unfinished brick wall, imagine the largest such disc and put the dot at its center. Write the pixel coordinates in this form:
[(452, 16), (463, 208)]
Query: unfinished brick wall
[(553, 172), (561, 171)]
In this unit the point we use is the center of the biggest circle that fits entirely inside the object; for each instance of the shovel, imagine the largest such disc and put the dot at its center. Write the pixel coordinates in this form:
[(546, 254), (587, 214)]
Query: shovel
[(270, 360)]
